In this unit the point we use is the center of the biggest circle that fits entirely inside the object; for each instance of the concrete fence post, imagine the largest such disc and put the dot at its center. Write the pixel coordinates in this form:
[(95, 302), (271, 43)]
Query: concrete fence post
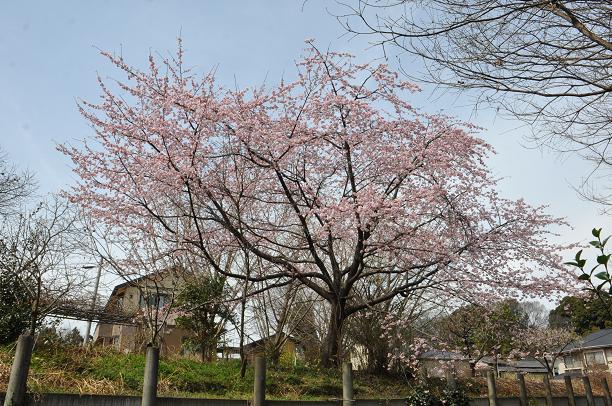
[(522, 389), (588, 391), (149, 387), (259, 387), (606, 389), (548, 391), (347, 384), (17, 385), (569, 390), (491, 387)]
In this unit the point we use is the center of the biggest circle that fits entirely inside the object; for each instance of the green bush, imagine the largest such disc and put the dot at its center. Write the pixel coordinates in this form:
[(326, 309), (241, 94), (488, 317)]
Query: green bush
[(422, 396), (455, 397)]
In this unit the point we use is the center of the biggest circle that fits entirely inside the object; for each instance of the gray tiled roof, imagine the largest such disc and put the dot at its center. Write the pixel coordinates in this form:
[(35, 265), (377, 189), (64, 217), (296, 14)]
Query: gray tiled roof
[(528, 364), (441, 355), (601, 338)]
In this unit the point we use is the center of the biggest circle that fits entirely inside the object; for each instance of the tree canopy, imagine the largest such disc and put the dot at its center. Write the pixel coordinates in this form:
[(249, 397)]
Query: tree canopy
[(477, 331), (332, 179), (583, 314)]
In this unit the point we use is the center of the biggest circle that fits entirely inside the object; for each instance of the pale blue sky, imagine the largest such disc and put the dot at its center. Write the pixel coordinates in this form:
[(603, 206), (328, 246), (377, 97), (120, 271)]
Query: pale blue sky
[(49, 57)]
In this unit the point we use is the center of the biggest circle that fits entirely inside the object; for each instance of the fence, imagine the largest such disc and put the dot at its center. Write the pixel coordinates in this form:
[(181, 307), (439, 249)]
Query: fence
[(58, 399), (259, 398)]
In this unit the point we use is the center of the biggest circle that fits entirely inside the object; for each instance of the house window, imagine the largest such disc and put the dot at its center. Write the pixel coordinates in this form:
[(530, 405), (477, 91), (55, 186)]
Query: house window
[(120, 301), (154, 300), (595, 358), (570, 362)]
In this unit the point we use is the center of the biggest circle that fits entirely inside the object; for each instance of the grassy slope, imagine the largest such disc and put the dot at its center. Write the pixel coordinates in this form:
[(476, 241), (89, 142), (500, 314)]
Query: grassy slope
[(101, 371), (76, 370)]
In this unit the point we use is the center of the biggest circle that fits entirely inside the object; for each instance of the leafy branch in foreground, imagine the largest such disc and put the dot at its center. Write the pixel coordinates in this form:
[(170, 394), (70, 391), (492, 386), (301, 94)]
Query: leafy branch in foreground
[(598, 277)]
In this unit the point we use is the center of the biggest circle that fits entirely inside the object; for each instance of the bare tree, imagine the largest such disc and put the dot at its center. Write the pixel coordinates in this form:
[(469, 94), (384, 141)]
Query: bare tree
[(36, 251), (150, 266), (15, 186), (547, 62), (279, 314), (36, 247), (535, 314)]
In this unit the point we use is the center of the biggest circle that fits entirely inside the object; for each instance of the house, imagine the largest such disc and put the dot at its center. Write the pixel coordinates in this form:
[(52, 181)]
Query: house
[(132, 299), (359, 357), (435, 363), (591, 353), (290, 350), (509, 368)]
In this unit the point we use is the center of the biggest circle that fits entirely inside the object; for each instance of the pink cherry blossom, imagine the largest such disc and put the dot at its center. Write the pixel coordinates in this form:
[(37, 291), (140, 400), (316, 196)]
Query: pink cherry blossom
[(333, 179)]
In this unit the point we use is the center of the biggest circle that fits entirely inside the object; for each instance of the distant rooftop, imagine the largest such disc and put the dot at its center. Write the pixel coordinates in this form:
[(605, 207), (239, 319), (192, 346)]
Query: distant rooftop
[(441, 355), (598, 339), (528, 364)]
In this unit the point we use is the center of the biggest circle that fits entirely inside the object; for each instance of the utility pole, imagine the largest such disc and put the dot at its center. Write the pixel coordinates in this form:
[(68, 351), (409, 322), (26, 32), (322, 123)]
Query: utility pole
[(93, 301)]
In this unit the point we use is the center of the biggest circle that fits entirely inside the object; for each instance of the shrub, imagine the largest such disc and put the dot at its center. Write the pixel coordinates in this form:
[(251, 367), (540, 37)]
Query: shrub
[(455, 397), (422, 396)]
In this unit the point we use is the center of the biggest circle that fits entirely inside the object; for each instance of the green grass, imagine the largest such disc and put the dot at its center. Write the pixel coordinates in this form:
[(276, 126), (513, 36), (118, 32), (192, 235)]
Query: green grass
[(103, 371)]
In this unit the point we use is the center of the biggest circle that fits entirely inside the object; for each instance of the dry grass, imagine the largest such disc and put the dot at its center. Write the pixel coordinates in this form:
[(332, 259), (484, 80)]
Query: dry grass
[(101, 371), (508, 387)]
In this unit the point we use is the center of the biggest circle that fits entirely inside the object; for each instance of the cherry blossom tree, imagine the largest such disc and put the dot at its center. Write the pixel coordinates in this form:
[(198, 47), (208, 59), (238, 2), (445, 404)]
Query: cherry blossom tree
[(544, 344), (330, 179), (477, 331)]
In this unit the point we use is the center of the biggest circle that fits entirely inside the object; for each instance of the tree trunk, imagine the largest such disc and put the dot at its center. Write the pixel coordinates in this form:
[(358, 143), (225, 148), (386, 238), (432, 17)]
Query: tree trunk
[(495, 366), (208, 351), (472, 369), (550, 368), (274, 355), (243, 364), (203, 353), (378, 359), (330, 353), (212, 351)]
